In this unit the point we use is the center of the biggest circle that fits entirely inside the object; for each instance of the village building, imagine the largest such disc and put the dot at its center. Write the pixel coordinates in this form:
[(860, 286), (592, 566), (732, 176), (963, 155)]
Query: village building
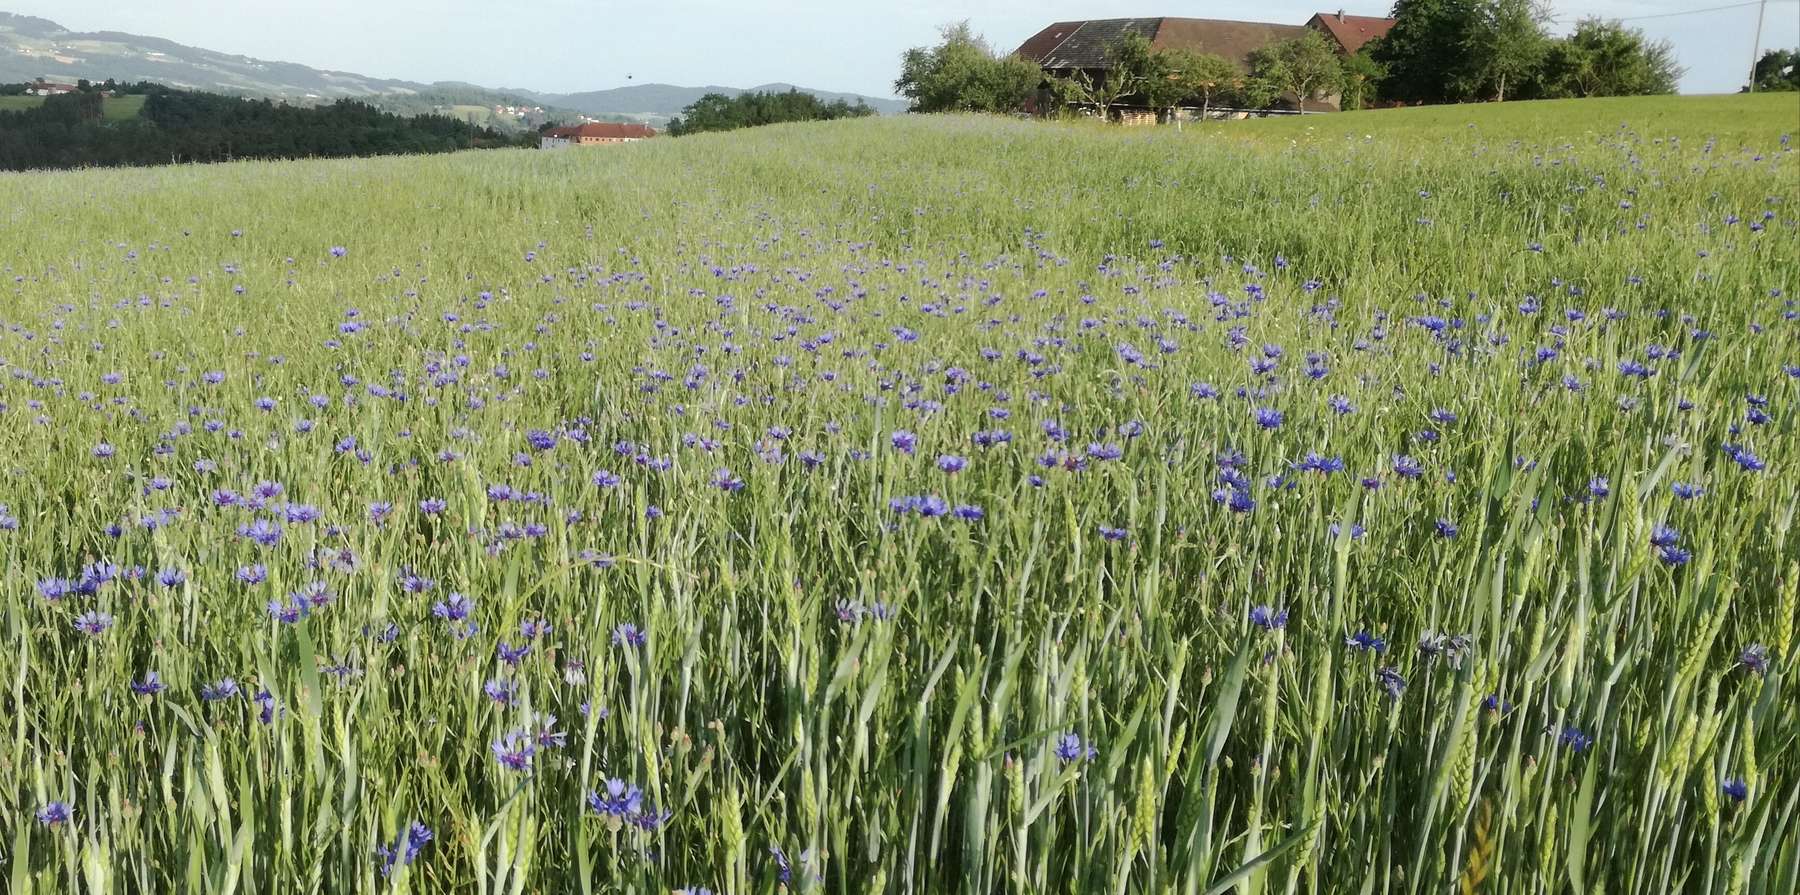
[(41, 87), (1080, 48), (594, 134)]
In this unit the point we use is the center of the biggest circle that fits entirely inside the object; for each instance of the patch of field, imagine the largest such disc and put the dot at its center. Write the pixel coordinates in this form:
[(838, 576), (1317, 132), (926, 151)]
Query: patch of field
[(122, 108), (113, 108), (923, 504)]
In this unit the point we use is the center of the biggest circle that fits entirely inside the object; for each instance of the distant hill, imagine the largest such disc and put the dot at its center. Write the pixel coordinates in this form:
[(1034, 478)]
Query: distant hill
[(31, 48), (667, 100)]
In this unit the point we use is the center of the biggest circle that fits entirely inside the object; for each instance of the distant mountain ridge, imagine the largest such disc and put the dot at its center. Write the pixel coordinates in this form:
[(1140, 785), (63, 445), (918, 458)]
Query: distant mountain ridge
[(32, 47)]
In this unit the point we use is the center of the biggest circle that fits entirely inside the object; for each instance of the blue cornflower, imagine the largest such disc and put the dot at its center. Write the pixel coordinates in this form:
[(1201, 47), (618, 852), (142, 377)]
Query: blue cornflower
[(1572, 737), (1407, 467), (903, 441), (1673, 556), (1745, 458), (627, 634), (1363, 640), (1314, 462), (261, 531), (224, 689), (287, 613), (514, 750), (432, 506), (512, 655), (1598, 486), (454, 608), (499, 691), (1113, 534), (951, 463), (1267, 417), (54, 589), (414, 583), (1735, 788), (1104, 452), (1493, 703), (150, 686), (723, 480), (1268, 617), (1446, 529), (619, 799), (405, 850), (968, 513), (55, 814), (171, 577), (253, 574), (265, 702), (1390, 680), (1756, 658), (93, 623), (1070, 747), (1664, 536)]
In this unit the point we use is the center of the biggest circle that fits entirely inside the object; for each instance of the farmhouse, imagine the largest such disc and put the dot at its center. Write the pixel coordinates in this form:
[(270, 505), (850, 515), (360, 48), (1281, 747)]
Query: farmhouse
[(41, 87), (1350, 32), (1080, 48), (594, 134)]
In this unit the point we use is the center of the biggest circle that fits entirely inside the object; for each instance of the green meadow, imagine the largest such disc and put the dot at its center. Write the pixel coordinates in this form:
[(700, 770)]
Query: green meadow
[(1395, 501)]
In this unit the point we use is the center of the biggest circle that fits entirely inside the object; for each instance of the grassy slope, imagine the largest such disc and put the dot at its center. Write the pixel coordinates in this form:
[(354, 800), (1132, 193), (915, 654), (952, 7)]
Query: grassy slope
[(1729, 118)]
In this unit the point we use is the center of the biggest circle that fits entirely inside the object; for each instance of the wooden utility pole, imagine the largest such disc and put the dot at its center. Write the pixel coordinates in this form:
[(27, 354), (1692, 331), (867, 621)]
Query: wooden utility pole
[(1757, 43)]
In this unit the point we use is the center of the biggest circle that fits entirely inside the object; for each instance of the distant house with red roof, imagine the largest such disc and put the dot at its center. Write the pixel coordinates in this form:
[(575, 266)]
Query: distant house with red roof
[(1350, 32), (599, 133), (41, 87)]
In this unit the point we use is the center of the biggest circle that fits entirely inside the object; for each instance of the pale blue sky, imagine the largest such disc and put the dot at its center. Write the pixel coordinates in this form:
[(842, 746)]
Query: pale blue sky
[(570, 45)]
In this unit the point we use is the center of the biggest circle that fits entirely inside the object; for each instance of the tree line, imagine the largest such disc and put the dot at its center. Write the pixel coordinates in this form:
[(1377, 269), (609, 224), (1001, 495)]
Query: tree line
[(718, 112), (1439, 51), (177, 126), (1469, 50)]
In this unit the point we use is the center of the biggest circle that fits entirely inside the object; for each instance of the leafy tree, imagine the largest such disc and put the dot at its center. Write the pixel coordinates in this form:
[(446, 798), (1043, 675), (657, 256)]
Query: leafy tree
[(1504, 46), (1361, 76), (1204, 76), (1304, 66), (1133, 69), (1420, 53), (1777, 70), (718, 112), (963, 74), (1605, 58)]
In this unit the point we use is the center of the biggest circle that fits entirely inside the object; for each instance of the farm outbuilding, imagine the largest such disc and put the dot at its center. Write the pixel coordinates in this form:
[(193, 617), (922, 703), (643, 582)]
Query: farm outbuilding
[(603, 133), (1080, 48)]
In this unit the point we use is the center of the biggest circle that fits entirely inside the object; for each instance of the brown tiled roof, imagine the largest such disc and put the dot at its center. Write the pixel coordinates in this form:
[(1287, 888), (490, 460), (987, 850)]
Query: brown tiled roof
[(1351, 32), (603, 130), (1233, 40), (1083, 45)]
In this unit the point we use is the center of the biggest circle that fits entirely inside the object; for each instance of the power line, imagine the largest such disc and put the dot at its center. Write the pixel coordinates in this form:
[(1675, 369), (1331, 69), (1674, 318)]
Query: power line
[(1689, 12)]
